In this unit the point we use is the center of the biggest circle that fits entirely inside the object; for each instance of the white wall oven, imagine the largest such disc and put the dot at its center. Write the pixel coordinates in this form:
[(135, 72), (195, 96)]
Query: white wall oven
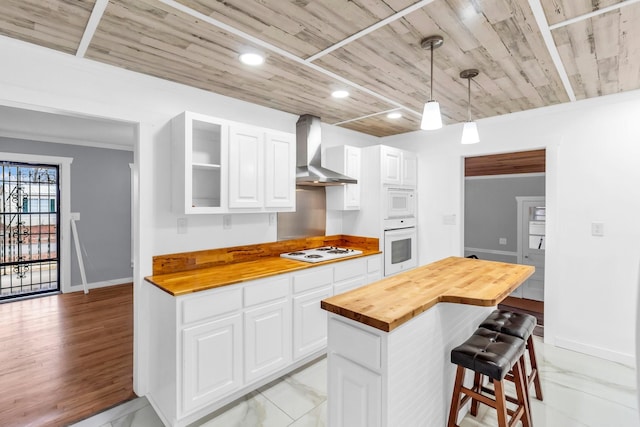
[(400, 245)]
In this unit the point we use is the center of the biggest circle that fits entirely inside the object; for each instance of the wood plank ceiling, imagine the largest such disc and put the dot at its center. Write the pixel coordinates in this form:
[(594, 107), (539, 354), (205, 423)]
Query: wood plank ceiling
[(530, 53)]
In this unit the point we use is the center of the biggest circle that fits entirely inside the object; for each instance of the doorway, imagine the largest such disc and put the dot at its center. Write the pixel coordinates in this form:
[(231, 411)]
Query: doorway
[(501, 192), (531, 245), (29, 227)]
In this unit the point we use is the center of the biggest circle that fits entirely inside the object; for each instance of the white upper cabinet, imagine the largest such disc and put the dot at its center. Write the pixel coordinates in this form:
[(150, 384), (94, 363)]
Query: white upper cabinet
[(390, 165), (246, 167), (221, 166), (348, 161), (409, 169), (280, 173), (199, 165), (398, 167)]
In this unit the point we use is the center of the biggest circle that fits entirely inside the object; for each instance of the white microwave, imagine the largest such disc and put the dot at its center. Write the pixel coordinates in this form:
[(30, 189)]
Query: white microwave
[(400, 203)]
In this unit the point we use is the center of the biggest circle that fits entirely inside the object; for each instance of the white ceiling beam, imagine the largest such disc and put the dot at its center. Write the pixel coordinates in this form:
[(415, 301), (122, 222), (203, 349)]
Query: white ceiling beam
[(592, 14), (370, 29), (92, 26), (364, 117), (268, 46), (543, 25)]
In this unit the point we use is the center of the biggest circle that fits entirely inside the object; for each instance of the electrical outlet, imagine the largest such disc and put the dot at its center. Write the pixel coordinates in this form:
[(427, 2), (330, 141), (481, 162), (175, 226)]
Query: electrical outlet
[(182, 225), (449, 219), (75, 216), (226, 222), (502, 240)]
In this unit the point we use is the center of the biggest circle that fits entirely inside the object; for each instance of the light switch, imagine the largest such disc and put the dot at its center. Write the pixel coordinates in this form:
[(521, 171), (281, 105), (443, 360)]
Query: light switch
[(182, 225), (272, 219), (597, 228), (226, 222), (502, 240)]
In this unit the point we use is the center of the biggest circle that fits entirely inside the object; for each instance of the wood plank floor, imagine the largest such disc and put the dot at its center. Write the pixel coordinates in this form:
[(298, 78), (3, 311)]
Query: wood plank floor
[(65, 357)]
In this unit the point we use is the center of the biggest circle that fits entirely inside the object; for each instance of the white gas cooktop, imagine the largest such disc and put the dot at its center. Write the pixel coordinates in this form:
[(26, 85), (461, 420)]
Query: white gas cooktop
[(324, 253)]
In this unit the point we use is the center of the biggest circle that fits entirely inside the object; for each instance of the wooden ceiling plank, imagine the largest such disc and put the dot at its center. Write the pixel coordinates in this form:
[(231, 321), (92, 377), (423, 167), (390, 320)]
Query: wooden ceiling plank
[(629, 72), (381, 126), (606, 30), (597, 10), (496, 10), (543, 26), (588, 67)]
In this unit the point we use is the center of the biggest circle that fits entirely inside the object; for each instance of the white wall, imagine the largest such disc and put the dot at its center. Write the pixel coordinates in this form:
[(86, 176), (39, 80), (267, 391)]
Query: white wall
[(593, 174)]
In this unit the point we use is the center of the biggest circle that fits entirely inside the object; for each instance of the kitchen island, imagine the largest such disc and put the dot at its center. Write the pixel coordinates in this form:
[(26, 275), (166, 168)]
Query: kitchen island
[(389, 342)]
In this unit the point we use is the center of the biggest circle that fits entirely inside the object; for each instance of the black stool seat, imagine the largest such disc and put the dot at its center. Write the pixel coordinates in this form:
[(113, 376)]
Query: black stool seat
[(519, 325), (489, 353), (515, 324)]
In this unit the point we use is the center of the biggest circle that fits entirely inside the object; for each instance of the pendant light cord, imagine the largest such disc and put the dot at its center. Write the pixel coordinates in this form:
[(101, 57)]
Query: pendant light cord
[(431, 86), (469, 99)]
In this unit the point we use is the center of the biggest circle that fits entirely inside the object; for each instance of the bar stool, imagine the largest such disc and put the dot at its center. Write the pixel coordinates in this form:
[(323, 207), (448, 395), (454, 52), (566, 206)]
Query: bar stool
[(517, 325), (493, 354)]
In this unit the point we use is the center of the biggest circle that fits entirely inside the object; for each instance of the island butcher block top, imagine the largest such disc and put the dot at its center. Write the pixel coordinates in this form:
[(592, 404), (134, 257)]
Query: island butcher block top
[(389, 303)]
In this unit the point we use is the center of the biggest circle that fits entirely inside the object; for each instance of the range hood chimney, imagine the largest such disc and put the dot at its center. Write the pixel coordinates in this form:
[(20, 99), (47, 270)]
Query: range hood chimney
[(309, 169)]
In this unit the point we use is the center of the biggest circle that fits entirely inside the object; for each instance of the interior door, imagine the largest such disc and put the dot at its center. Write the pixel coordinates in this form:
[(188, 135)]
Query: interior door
[(532, 231)]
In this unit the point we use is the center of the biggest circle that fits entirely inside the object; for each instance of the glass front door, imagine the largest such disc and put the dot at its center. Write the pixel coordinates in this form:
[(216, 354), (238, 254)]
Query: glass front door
[(29, 223)]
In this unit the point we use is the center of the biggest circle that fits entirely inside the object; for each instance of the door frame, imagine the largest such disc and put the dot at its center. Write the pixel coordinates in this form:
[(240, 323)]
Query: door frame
[(521, 200), (64, 182)]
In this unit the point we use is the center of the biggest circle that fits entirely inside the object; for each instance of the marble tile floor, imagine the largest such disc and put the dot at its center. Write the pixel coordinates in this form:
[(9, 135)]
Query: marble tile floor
[(579, 391)]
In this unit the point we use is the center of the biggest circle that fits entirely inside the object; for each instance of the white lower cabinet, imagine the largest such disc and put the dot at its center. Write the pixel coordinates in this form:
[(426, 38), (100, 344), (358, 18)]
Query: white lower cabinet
[(374, 269), (357, 392), (211, 347), (309, 322), (211, 353), (267, 339)]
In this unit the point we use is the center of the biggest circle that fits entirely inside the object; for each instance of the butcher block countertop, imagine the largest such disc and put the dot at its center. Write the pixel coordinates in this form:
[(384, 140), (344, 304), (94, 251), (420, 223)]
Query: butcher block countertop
[(188, 272), (392, 301)]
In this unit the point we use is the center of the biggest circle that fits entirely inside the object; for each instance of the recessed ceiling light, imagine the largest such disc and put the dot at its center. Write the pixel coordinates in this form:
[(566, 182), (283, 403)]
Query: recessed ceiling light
[(340, 94), (252, 59), (394, 115)]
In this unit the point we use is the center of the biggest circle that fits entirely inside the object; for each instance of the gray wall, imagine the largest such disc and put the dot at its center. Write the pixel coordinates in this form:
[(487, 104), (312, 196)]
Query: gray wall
[(490, 211), (101, 192)]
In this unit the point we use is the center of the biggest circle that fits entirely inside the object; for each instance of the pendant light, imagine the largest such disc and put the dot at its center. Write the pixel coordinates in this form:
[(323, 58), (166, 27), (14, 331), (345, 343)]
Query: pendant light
[(470, 130), (431, 118)]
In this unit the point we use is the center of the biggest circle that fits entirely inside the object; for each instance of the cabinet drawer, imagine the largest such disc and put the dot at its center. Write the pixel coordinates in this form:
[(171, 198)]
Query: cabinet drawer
[(349, 285), (349, 269), (266, 290), (200, 307), (355, 344), (313, 278)]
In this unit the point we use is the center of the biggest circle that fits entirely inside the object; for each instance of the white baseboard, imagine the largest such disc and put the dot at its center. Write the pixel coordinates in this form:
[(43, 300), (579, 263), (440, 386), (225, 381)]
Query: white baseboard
[(103, 284), (602, 353)]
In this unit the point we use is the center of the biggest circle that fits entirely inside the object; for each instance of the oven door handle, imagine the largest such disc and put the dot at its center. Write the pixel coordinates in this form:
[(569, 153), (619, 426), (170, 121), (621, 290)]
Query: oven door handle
[(400, 231)]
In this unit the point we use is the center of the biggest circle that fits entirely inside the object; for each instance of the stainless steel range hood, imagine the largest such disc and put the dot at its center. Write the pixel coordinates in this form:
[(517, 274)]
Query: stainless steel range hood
[(309, 169)]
